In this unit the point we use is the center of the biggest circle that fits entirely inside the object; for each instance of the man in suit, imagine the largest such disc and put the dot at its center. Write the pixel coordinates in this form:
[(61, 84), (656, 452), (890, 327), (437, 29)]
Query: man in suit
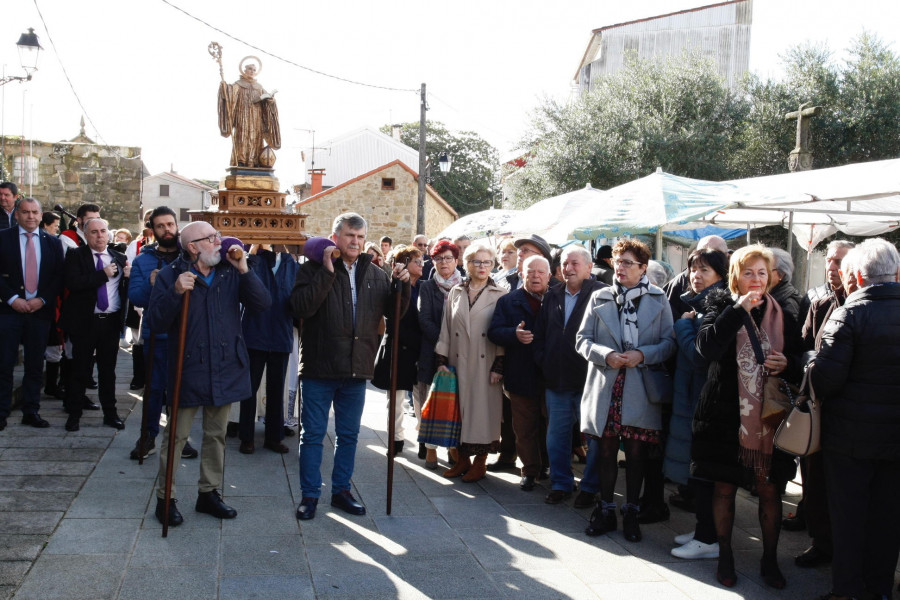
[(8, 194), (564, 372), (31, 265), (92, 316)]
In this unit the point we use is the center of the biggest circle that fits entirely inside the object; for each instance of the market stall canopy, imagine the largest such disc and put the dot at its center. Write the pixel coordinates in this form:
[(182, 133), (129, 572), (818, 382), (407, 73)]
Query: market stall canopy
[(482, 224), (857, 199), (544, 218)]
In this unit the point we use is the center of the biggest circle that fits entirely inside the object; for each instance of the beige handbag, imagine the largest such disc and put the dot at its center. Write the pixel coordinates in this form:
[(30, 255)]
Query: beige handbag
[(799, 433)]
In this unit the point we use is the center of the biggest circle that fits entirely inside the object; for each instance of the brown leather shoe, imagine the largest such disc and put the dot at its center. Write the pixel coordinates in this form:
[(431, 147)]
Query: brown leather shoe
[(462, 465), (276, 447), (478, 469)]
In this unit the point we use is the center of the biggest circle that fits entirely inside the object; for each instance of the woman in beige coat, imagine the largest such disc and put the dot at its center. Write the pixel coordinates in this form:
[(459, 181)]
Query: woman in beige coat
[(464, 344)]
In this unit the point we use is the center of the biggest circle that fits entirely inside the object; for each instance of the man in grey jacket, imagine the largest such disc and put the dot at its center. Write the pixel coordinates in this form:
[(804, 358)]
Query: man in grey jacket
[(341, 303)]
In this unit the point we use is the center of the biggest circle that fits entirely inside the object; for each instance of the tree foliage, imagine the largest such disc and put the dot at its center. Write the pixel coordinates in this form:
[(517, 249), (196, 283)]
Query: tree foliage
[(470, 185), (680, 115)]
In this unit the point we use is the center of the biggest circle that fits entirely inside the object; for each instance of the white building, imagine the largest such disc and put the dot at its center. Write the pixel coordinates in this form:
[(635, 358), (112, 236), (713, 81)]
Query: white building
[(177, 192)]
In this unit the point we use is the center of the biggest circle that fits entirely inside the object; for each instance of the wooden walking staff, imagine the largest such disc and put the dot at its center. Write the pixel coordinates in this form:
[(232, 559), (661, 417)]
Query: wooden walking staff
[(392, 399), (173, 414), (148, 382)]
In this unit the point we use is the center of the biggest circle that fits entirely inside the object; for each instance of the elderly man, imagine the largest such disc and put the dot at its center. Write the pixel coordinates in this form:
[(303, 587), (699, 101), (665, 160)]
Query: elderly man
[(8, 194), (31, 266), (564, 372), (93, 316), (813, 507), (854, 376), (342, 303), (512, 327), (835, 251), (215, 370)]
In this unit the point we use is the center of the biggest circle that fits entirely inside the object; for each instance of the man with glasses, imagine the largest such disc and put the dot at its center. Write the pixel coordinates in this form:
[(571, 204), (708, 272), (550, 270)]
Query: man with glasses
[(215, 368)]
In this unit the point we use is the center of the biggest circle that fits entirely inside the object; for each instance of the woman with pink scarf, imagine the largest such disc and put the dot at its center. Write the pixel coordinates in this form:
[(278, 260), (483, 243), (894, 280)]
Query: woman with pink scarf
[(733, 442)]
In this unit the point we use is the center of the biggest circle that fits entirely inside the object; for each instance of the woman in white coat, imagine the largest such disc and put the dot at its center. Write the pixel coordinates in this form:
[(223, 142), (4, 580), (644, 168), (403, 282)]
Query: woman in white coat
[(627, 326), (463, 344)]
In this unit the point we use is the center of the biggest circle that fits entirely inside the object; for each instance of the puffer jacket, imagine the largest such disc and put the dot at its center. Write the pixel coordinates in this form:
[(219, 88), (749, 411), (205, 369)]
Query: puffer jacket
[(854, 375)]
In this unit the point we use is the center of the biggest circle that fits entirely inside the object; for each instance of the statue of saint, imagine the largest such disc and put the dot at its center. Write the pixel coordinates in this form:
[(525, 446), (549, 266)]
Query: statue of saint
[(249, 115)]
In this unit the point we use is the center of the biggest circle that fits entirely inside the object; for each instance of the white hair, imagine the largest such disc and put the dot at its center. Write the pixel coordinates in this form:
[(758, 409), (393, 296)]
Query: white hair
[(784, 264), (535, 258), (656, 273), (575, 249), (713, 241), (834, 245), (877, 261)]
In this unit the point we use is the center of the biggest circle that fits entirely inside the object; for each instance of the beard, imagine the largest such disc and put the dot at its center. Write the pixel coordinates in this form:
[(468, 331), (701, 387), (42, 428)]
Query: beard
[(210, 258), (167, 241)]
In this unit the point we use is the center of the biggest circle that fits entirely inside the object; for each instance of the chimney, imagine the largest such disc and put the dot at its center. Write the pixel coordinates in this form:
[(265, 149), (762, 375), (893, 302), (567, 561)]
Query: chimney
[(315, 185), (395, 132)]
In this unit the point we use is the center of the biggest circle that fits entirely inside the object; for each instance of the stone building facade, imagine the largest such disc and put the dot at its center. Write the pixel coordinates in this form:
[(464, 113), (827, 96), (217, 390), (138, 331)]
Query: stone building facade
[(76, 172), (178, 193), (386, 197)]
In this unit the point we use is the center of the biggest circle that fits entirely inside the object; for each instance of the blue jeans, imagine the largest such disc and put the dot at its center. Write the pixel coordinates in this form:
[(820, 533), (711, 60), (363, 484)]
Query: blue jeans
[(563, 410), (348, 396)]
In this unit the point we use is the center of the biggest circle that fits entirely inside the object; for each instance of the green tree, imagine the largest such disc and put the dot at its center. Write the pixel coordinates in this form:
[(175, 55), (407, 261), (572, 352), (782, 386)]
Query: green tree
[(471, 185), (677, 114)]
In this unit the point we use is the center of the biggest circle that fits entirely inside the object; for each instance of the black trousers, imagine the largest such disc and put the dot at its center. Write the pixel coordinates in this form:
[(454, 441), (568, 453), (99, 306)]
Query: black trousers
[(815, 501), (101, 337), (275, 366), (865, 523)]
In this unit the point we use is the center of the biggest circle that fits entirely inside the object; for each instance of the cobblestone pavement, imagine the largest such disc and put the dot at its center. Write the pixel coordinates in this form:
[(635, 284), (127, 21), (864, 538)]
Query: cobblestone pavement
[(76, 521)]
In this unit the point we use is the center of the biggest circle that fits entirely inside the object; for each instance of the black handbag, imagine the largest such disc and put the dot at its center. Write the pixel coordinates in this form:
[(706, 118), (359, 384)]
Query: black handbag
[(658, 384)]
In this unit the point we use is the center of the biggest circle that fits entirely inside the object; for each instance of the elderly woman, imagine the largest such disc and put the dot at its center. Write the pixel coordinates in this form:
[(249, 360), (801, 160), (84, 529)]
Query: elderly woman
[(432, 298), (627, 327), (733, 446), (508, 258), (463, 343), (708, 271), (782, 290), (410, 337)]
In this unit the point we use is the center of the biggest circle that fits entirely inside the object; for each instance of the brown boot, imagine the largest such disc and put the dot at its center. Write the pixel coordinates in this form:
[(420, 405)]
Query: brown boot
[(478, 469), (462, 465)]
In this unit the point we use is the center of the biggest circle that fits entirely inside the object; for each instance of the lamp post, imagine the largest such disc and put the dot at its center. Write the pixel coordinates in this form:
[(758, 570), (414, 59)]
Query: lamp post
[(444, 162), (29, 49)]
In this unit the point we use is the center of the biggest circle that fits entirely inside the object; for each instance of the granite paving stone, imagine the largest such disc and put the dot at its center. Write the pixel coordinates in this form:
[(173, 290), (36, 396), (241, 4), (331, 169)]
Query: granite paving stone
[(182, 547), (467, 513), (181, 582), (555, 583), (94, 536), (54, 468), (27, 501), (73, 577), (21, 546), (12, 572), (421, 534), (263, 555), (29, 522), (297, 587)]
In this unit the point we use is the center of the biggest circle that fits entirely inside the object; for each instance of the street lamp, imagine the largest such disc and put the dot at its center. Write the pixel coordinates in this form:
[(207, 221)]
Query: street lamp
[(444, 162), (29, 50)]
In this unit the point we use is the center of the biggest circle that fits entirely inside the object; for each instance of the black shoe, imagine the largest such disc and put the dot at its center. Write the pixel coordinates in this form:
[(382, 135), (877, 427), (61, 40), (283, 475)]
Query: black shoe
[(684, 503), (149, 448), (276, 447), (91, 385), (289, 431), (812, 557), (211, 504), (423, 451), (231, 430), (603, 520), (34, 420), (2, 424), (653, 513), (72, 423), (398, 446), (500, 465), (87, 404), (189, 451), (794, 523), (544, 475), (526, 484), (630, 519), (307, 508), (347, 503), (113, 420), (175, 518), (247, 448), (585, 500), (136, 385), (557, 497)]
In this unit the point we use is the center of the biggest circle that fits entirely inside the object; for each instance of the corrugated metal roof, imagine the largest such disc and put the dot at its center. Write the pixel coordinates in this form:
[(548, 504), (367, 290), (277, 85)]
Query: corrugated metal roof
[(358, 152)]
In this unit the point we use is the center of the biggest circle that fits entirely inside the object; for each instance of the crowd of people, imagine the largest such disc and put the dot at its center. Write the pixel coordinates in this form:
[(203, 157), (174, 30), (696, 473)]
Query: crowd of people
[(559, 355)]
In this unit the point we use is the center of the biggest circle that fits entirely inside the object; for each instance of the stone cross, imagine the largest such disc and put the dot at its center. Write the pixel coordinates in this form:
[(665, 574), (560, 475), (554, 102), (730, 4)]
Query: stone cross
[(800, 158)]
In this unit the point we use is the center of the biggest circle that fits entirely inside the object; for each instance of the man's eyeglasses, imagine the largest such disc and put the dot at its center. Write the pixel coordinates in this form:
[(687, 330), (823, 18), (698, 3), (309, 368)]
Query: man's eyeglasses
[(482, 263), (209, 238), (438, 259), (621, 262)]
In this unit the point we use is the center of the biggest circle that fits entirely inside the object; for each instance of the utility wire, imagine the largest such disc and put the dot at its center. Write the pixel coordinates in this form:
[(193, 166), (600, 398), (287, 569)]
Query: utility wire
[(74, 93), (286, 60)]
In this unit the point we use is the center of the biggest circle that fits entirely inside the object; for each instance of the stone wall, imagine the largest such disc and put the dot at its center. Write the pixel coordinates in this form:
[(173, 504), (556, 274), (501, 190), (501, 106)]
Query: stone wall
[(74, 173), (388, 212)]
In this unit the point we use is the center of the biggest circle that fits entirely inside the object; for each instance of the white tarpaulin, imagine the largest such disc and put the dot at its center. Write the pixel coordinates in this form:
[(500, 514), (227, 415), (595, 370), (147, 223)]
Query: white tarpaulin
[(544, 217), (481, 224)]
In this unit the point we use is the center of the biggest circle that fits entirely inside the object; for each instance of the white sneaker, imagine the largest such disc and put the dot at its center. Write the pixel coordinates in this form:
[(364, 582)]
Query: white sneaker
[(684, 538), (695, 549)]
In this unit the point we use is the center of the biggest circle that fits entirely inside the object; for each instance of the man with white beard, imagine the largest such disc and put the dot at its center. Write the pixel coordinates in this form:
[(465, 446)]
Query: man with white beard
[(215, 368)]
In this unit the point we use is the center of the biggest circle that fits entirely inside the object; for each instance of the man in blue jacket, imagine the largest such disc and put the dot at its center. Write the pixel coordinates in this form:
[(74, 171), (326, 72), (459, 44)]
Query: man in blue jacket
[(215, 368)]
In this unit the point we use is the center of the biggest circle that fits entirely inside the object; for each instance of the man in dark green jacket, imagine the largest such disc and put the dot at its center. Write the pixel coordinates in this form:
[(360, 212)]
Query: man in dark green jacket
[(341, 303)]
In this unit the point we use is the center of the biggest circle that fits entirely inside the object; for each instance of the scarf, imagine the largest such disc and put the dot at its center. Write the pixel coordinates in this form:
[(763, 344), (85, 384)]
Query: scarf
[(628, 311), (756, 438), (445, 284)]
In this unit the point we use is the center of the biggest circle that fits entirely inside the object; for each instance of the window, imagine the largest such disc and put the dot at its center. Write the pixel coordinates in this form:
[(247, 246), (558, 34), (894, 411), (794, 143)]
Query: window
[(183, 215), (387, 183), (163, 190), (25, 170)]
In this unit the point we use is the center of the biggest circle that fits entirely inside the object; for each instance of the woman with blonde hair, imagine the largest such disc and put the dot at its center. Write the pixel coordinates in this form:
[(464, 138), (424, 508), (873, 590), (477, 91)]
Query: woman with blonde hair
[(733, 443)]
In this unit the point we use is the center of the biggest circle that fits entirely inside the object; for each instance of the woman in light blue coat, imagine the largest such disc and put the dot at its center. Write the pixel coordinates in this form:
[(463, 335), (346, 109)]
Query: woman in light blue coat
[(627, 327)]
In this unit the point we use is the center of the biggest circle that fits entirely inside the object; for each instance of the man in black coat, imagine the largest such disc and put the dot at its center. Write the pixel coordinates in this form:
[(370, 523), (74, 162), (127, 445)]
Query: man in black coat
[(854, 377), (8, 194), (93, 316), (512, 327), (564, 372), (31, 263)]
